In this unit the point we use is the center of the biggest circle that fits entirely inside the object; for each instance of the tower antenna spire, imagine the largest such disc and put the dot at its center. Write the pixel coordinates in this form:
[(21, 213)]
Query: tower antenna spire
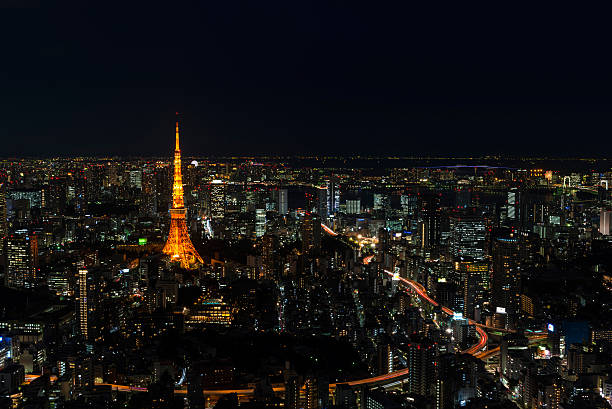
[(177, 132)]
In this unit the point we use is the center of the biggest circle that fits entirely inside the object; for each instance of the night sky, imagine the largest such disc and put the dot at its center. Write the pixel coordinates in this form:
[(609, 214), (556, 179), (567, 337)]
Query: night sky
[(304, 77)]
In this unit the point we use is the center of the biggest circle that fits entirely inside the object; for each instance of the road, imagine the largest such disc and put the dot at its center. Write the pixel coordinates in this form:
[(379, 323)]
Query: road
[(533, 339), (420, 290)]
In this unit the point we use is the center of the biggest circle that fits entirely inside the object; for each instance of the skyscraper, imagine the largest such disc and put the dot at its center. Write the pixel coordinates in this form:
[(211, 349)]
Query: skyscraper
[(333, 196), (260, 222), (353, 206), (431, 220), (217, 199), (322, 203), (513, 204), (268, 255), (178, 246), (21, 271), (475, 278), (283, 202), (505, 286), (421, 368), (3, 217), (83, 307), (605, 219), (311, 234), (468, 234)]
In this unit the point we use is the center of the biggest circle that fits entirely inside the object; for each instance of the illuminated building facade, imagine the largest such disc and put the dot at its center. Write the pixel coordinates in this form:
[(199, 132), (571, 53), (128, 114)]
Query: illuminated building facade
[(605, 220), (353, 206), (468, 236), (179, 246), (421, 365), (3, 217), (209, 312), (283, 201), (83, 308), (311, 234), (21, 252), (475, 278), (260, 222), (217, 199), (269, 252), (506, 279)]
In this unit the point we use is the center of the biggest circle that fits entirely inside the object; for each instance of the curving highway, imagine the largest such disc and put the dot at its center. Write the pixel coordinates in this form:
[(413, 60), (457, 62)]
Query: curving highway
[(420, 290)]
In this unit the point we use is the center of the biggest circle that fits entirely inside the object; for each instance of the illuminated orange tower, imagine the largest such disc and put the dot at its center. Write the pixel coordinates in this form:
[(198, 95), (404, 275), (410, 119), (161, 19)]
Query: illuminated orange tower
[(179, 246)]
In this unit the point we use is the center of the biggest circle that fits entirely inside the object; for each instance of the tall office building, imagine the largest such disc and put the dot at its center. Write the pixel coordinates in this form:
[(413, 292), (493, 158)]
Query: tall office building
[(431, 221), (467, 236), (322, 203), (333, 196), (21, 266), (409, 204), (148, 196), (505, 286), (260, 222), (381, 202), (311, 234), (136, 178), (475, 279), (83, 305), (421, 368), (217, 199), (268, 255), (283, 201), (605, 219), (513, 204), (353, 206), (3, 218), (56, 199)]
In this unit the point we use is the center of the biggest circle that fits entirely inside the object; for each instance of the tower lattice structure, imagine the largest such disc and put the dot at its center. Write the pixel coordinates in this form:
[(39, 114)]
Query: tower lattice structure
[(179, 246)]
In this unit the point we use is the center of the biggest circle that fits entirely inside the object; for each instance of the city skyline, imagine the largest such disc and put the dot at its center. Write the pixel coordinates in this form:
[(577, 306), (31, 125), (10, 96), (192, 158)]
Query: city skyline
[(304, 205)]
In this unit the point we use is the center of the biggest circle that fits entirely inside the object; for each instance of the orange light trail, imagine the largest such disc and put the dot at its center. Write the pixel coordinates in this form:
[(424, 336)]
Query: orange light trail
[(328, 230), (368, 259), (420, 290)]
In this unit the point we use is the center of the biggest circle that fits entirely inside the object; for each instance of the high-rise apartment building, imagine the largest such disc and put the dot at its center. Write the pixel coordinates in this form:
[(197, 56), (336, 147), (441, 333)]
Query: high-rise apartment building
[(83, 304)]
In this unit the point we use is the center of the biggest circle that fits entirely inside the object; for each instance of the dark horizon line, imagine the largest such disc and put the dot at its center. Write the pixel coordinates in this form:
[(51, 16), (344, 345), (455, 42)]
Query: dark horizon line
[(328, 156)]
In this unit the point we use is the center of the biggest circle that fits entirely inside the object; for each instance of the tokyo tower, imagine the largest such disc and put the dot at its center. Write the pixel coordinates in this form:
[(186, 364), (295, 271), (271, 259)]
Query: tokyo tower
[(179, 246)]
